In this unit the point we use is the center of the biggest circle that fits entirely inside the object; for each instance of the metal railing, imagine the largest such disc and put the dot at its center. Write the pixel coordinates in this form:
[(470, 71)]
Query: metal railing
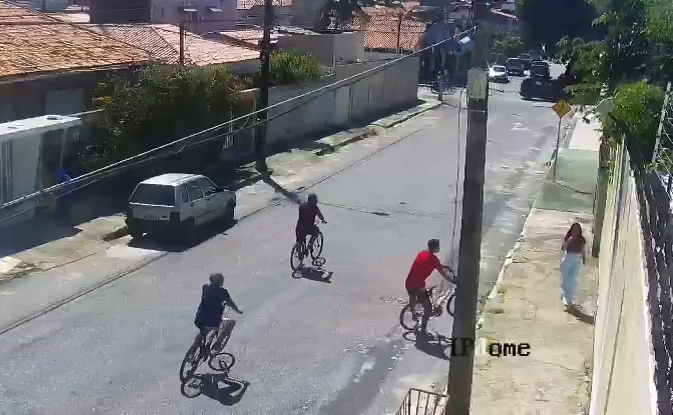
[(421, 402)]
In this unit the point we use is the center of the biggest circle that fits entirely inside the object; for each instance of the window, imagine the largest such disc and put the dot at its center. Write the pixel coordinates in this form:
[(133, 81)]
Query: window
[(183, 195), (152, 194), (193, 191), (207, 187)]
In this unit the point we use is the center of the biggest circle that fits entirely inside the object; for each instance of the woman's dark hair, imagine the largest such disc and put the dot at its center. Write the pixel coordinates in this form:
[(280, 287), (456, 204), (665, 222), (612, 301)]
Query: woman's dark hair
[(573, 226)]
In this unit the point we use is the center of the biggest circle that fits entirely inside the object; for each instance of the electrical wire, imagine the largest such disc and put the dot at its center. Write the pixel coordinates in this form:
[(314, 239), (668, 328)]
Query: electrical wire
[(318, 92)]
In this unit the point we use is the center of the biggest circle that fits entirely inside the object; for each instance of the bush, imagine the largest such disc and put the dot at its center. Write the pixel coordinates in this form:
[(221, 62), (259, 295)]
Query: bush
[(161, 104), (290, 68), (638, 106)]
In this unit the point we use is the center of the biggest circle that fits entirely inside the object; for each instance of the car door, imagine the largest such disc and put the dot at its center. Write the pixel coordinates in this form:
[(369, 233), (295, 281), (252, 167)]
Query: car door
[(197, 203), (213, 199)]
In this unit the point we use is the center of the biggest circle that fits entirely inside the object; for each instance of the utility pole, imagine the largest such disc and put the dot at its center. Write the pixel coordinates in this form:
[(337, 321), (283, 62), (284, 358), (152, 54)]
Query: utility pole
[(399, 31), (182, 41), (265, 84), (465, 319)]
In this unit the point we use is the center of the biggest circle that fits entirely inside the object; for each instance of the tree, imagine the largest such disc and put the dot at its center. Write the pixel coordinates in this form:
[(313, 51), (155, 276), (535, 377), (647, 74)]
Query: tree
[(545, 22), (159, 105), (290, 68), (508, 45), (335, 13), (638, 106)]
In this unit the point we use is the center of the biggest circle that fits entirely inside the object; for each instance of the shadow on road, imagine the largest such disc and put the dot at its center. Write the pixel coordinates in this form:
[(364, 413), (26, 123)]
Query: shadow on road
[(292, 196), (314, 274), (432, 344), (579, 314), (219, 387), (178, 243)]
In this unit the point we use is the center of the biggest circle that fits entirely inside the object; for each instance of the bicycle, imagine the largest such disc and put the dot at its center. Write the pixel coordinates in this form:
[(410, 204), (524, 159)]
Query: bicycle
[(436, 301), (208, 347), (312, 249)]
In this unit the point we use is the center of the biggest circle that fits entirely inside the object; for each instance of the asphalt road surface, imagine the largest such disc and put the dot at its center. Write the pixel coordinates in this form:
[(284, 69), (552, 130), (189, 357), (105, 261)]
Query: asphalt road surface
[(321, 344)]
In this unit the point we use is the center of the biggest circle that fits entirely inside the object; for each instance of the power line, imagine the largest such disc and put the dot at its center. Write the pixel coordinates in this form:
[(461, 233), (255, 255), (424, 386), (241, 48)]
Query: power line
[(121, 165)]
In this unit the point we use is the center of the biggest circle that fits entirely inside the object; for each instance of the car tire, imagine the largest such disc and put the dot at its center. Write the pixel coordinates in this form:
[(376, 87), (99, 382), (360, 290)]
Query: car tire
[(135, 233), (229, 212), (188, 230)]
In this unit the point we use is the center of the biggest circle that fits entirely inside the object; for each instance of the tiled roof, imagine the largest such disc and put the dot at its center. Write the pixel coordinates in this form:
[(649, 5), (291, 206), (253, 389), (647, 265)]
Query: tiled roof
[(381, 29), (162, 41), (248, 4), (251, 37), (32, 42)]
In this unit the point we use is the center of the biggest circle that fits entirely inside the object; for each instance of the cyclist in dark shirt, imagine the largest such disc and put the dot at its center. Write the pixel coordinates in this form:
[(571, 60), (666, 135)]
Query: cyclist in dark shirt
[(306, 226), (214, 298)]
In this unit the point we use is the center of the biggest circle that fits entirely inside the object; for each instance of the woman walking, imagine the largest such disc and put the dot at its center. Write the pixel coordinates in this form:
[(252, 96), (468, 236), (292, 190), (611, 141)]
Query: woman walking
[(573, 258)]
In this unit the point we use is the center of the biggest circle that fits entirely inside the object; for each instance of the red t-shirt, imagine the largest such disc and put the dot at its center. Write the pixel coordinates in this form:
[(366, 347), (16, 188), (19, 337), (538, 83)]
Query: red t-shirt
[(421, 269)]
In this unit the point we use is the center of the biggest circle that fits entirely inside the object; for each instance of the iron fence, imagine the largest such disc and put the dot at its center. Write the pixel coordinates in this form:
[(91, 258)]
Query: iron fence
[(421, 402)]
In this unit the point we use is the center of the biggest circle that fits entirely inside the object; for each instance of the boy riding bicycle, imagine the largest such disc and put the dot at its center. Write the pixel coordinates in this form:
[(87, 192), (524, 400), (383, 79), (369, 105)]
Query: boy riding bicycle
[(425, 263), (214, 299)]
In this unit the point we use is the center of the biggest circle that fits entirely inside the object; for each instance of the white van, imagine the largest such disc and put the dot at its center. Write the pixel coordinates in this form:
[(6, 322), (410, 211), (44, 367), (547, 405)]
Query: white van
[(177, 202)]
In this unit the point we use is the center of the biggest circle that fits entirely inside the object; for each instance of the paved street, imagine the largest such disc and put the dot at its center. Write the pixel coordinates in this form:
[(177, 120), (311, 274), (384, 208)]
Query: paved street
[(304, 345)]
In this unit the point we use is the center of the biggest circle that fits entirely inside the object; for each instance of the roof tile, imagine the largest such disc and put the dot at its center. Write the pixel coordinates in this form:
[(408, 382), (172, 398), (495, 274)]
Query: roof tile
[(33, 42), (162, 41)]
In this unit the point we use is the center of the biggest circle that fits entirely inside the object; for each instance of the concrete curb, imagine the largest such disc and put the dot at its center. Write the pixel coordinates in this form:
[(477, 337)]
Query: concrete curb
[(331, 148)]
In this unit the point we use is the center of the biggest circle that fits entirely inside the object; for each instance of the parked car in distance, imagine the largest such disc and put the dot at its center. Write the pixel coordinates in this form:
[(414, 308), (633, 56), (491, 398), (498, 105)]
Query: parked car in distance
[(514, 67), (539, 63), (526, 59), (541, 71), (177, 202), (498, 73)]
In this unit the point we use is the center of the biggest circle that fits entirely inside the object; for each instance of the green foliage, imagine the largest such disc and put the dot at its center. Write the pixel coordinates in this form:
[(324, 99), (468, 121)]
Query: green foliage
[(508, 45), (638, 106), (546, 22), (162, 104), (291, 68)]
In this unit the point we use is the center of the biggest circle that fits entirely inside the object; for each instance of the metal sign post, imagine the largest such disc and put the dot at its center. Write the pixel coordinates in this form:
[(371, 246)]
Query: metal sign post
[(561, 108)]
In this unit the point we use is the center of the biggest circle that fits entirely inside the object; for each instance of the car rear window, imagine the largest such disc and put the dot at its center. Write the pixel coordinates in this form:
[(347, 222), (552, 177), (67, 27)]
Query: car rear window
[(152, 194), (499, 68), (514, 61)]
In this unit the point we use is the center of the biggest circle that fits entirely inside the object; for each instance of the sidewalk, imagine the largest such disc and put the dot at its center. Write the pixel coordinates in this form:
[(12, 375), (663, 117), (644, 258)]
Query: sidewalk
[(42, 245), (525, 306)]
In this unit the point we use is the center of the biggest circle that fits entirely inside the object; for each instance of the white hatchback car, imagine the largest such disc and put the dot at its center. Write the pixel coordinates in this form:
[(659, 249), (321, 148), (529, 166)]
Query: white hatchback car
[(177, 202)]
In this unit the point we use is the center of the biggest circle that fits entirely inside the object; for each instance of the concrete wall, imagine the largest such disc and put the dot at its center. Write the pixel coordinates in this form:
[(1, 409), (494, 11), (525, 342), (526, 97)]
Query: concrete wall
[(328, 48), (373, 96), (623, 361)]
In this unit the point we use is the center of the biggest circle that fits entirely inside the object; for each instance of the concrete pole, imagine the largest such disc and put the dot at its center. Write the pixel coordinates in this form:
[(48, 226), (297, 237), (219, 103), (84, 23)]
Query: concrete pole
[(265, 85), (465, 319)]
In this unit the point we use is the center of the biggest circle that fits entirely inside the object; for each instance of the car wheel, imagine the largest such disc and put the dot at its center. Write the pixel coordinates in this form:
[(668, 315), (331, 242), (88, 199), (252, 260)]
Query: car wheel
[(189, 229), (229, 212)]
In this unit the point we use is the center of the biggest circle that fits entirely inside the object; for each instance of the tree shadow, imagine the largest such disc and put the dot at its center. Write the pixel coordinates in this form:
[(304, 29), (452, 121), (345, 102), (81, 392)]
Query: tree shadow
[(219, 387), (579, 314)]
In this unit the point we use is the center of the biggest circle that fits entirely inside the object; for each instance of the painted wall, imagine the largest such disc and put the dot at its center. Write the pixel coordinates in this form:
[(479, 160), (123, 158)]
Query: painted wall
[(623, 361)]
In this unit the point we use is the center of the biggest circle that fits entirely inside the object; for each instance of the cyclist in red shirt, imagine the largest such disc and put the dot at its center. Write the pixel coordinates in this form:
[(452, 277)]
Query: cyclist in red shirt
[(421, 269)]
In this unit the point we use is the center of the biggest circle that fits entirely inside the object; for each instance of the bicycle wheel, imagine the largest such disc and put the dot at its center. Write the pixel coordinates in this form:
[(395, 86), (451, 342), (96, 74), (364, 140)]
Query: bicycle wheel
[(316, 246), (296, 259), (222, 362), (190, 362), (451, 304), (409, 320)]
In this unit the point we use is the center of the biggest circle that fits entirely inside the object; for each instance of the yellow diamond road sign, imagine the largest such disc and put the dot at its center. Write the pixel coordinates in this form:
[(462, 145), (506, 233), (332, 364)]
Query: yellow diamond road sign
[(561, 108)]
